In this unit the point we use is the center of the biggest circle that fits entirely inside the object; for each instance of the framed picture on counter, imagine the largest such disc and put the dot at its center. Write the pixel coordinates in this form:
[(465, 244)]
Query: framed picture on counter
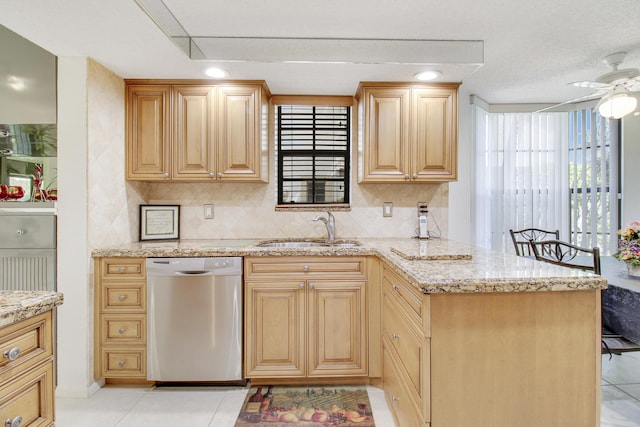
[(159, 222)]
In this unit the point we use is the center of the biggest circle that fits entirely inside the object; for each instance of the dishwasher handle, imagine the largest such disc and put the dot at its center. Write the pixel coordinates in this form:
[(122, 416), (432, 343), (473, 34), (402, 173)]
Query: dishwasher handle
[(193, 273)]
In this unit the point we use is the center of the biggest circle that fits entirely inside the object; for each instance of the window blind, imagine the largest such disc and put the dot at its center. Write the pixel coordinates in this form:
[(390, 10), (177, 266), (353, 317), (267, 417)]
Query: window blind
[(313, 154)]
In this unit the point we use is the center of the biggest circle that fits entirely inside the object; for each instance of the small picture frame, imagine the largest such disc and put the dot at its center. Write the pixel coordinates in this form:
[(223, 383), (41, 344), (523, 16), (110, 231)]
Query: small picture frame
[(159, 222)]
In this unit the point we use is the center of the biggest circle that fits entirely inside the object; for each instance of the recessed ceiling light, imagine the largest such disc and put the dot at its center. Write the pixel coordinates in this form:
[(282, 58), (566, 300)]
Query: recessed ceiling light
[(427, 75), (216, 73)]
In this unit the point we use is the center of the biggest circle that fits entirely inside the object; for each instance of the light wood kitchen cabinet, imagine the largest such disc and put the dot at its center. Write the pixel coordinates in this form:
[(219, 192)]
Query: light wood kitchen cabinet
[(408, 132), (148, 131), (490, 359), (305, 317), (120, 318), (195, 131), (26, 372)]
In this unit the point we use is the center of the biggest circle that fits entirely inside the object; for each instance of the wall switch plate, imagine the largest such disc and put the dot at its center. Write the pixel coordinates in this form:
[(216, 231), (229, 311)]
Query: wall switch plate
[(208, 211), (423, 209), (387, 209)]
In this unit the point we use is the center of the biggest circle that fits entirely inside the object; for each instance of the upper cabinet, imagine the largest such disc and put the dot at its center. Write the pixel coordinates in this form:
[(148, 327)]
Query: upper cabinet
[(408, 132), (196, 131)]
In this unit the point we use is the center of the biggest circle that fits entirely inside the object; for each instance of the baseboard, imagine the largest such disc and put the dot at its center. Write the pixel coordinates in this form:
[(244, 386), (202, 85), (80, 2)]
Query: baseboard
[(81, 393)]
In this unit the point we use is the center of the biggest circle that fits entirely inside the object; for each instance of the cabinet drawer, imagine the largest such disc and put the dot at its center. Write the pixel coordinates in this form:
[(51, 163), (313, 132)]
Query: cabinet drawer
[(307, 266), (398, 397), (411, 348), (122, 268), (29, 396), (129, 362), (118, 298), (30, 340), (412, 301), (123, 328)]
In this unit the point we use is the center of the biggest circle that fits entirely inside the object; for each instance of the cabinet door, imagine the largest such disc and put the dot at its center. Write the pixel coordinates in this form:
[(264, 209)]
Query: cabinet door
[(434, 134), (193, 133), (239, 136), (337, 328), (274, 329), (148, 132), (385, 144)]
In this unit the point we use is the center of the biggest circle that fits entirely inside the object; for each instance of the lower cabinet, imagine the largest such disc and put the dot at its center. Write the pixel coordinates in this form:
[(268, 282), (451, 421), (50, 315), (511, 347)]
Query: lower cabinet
[(120, 318), (27, 373), (305, 317)]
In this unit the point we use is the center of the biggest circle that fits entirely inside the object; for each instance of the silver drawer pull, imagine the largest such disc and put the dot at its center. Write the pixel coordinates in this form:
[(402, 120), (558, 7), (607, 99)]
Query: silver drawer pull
[(395, 287), (121, 331), (13, 422), (305, 268), (121, 363), (395, 399), (21, 232), (122, 269), (12, 354), (312, 286), (395, 336), (301, 285), (122, 297)]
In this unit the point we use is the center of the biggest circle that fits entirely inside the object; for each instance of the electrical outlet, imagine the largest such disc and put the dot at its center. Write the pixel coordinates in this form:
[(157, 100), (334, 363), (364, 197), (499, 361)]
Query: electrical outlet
[(387, 209), (208, 211)]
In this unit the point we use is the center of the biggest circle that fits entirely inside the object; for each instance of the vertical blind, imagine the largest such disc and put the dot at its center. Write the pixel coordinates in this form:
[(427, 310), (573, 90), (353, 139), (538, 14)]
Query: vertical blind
[(594, 180), (521, 175), (313, 154)]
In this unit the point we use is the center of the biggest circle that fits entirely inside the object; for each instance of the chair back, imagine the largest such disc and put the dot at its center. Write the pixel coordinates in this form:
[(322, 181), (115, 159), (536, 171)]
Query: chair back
[(521, 239), (567, 255)]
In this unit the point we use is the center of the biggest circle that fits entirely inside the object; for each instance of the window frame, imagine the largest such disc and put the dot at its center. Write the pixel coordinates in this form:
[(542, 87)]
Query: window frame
[(320, 100)]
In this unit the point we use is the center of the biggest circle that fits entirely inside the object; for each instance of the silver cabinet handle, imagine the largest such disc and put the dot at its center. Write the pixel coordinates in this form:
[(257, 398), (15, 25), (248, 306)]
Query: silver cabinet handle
[(395, 398), (395, 336), (415, 176), (121, 331), (13, 422), (121, 363), (166, 174), (395, 287), (305, 268), (21, 232), (219, 175), (406, 177), (212, 175), (122, 270), (12, 354), (122, 297), (301, 285), (312, 286)]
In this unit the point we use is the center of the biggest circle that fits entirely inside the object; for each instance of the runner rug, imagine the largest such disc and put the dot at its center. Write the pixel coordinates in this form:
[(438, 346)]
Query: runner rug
[(320, 406)]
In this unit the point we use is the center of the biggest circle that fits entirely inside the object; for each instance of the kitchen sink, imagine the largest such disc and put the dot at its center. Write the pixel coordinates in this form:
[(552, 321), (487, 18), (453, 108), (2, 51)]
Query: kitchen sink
[(309, 244)]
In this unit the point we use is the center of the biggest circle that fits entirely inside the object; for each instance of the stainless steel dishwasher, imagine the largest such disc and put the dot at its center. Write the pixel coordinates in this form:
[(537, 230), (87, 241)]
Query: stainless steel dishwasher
[(194, 325)]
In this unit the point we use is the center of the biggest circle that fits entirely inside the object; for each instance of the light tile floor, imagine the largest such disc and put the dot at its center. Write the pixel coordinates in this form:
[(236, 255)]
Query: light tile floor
[(131, 406), (122, 406)]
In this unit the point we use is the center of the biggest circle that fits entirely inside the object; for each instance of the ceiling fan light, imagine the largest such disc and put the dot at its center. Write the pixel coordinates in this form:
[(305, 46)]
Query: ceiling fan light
[(427, 75), (617, 105)]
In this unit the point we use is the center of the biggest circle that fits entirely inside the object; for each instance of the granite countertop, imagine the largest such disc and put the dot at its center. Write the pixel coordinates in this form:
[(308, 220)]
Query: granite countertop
[(434, 266), (20, 305)]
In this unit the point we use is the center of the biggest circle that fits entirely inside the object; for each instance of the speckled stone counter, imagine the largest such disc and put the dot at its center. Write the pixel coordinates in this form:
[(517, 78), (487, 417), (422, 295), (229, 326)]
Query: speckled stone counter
[(434, 266), (20, 305)]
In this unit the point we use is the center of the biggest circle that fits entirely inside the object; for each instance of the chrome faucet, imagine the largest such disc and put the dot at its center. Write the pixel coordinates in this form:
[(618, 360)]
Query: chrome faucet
[(330, 223)]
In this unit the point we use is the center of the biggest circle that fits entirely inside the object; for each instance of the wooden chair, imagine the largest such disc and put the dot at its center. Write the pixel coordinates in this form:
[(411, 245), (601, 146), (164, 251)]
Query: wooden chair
[(521, 239)]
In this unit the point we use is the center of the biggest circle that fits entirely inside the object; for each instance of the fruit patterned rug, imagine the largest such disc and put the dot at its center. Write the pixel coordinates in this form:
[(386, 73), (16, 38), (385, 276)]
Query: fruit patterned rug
[(319, 406)]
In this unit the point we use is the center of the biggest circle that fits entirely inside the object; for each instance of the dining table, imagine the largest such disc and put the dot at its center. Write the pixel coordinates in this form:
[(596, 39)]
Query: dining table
[(621, 300)]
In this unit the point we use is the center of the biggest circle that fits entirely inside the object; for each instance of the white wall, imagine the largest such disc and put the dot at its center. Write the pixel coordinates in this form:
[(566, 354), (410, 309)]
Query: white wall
[(74, 331), (630, 169)]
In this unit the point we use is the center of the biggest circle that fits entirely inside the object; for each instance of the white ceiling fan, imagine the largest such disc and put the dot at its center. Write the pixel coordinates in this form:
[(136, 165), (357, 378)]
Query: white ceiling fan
[(618, 89)]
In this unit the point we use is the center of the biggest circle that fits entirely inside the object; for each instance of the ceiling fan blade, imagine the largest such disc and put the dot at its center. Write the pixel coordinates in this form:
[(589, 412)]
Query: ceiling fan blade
[(590, 84), (582, 98)]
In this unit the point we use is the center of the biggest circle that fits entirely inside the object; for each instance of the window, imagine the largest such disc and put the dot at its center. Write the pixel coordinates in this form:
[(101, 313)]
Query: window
[(594, 180), (549, 171), (313, 154)]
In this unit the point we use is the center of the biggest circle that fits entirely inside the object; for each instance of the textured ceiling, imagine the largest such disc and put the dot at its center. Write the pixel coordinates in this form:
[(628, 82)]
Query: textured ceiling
[(532, 49)]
